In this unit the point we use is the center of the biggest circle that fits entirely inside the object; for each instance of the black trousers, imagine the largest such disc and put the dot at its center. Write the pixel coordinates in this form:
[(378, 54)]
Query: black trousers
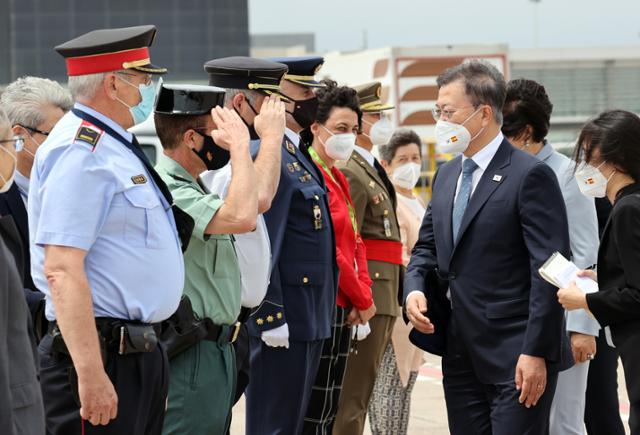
[(141, 382), (243, 361), (476, 408), (602, 410)]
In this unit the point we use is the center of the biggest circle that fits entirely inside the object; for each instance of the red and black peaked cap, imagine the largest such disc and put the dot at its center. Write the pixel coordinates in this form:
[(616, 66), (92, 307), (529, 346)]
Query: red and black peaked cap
[(108, 50)]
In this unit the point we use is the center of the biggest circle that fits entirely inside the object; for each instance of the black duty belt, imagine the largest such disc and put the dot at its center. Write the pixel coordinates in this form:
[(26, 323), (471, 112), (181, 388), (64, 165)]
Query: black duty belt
[(121, 336), (183, 330)]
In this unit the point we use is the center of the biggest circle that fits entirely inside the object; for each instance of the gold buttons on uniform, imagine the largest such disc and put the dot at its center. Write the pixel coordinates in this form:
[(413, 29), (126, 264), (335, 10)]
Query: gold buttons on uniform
[(269, 319), (305, 280), (386, 212), (260, 321), (279, 315)]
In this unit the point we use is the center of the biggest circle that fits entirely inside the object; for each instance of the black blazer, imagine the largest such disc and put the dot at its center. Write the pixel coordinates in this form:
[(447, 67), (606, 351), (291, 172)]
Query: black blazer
[(617, 304), (20, 396), (514, 221), (11, 204)]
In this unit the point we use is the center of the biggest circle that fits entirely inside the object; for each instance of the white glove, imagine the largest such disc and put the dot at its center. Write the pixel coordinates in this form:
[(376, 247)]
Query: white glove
[(277, 337), (360, 332)]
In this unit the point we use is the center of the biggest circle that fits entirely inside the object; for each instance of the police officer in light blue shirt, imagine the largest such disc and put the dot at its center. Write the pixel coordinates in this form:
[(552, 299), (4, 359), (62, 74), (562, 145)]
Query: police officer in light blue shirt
[(104, 244)]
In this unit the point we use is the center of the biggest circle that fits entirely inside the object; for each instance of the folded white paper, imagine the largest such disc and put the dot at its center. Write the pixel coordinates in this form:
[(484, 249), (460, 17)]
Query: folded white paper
[(561, 272)]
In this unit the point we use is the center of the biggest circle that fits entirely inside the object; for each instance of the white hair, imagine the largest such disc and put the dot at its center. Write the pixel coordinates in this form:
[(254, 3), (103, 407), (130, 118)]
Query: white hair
[(85, 87), (24, 99)]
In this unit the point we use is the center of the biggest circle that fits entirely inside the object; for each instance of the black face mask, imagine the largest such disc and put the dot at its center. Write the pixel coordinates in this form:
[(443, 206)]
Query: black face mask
[(304, 111), (252, 130), (213, 155)]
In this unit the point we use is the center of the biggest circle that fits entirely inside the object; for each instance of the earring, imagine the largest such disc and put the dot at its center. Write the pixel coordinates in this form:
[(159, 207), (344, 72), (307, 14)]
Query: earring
[(527, 144)]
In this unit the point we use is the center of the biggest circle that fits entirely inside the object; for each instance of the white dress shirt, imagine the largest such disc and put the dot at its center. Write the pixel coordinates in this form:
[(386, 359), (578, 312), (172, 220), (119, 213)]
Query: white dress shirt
[(482, 158), (253, 248), (366, 155), (292, 136)]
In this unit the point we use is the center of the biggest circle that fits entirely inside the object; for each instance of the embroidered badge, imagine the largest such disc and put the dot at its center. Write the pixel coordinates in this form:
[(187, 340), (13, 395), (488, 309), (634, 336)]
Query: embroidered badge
[(139, 179), (291, 148)]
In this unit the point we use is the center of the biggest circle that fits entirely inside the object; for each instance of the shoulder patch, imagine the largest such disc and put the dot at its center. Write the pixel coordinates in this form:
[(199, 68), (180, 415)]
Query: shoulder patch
[(89, 134)]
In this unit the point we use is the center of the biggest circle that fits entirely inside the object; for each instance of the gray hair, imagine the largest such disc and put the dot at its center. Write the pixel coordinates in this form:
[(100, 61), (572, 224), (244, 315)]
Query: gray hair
[(24, 99), (483, 84), (85, 87), (4, 119), (249, 95), (400, 138)]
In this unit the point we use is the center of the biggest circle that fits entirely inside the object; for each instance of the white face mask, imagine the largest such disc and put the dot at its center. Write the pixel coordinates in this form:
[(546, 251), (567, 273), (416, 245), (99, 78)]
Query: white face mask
[(339, 146), (407, 175), (591, 181), (381, 131), (452, 137), (7, 182)]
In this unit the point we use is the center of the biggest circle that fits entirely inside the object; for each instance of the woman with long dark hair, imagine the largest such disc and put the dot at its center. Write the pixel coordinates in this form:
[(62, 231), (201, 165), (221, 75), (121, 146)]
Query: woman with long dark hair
[(608, 151)]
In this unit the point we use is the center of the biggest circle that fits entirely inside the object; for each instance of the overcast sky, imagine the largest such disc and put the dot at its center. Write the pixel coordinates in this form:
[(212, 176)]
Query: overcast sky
[(340, 24)]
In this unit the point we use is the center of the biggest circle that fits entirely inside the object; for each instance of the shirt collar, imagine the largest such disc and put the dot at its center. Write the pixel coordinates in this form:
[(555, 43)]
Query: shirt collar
[(365, 154), (483, 157), (545, 152), (124, 133), (22, 182), (174, 169), (292, 136)]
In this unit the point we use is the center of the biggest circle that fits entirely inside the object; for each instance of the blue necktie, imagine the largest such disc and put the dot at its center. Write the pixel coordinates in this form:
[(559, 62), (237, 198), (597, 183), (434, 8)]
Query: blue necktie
[(463, 195)]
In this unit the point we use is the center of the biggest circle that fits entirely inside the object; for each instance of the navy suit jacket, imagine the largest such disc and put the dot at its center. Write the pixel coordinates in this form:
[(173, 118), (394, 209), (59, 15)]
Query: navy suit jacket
[(304, 276), (11, 204), (502, 308)]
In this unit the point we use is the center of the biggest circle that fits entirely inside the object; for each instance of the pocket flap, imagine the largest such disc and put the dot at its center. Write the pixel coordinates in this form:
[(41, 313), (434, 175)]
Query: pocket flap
[(312, 192), (508, 308), (142, 197), (380, 271), (24, 394)]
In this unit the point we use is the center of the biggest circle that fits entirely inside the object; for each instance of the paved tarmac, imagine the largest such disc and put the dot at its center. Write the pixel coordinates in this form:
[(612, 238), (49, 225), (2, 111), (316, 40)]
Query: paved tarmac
[(428, 411)]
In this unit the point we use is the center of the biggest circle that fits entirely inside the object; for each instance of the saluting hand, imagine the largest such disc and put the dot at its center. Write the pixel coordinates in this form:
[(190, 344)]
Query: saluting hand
[(98, 398), (230, 133), (270, 122), (416, 310)]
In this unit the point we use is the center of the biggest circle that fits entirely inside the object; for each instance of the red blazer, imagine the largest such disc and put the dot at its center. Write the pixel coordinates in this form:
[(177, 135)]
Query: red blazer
[(354, 285)]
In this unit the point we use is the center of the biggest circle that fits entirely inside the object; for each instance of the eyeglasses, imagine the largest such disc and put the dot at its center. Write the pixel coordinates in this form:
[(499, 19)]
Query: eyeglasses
[(18, 142), (148, 78), (35, 130), (447, 113)]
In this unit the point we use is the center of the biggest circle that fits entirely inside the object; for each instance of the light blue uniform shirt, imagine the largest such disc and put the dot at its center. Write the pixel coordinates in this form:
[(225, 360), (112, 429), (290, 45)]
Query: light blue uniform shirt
[(100, 198)]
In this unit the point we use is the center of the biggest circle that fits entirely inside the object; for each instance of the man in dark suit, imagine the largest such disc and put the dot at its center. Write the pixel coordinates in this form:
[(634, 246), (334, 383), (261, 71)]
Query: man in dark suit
[(33, 105), (495, 217), (21, 409)]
